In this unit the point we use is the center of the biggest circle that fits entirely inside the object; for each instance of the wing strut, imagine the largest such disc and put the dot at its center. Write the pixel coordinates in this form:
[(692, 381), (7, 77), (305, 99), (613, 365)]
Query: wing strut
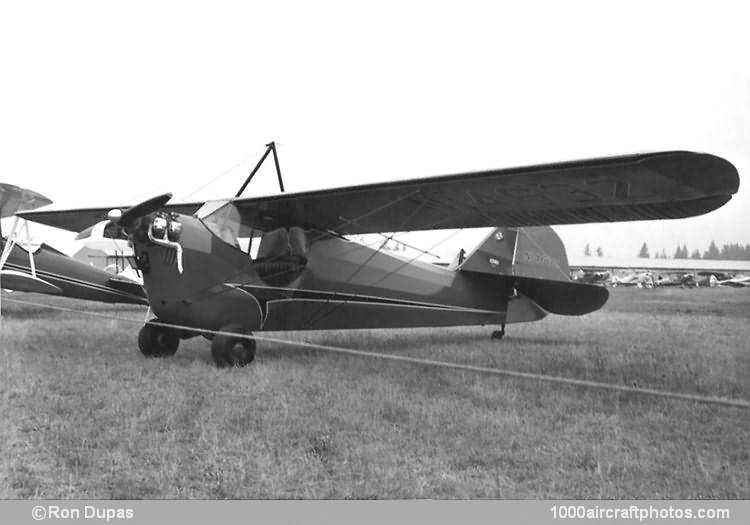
[(270, 147), (7, 247)]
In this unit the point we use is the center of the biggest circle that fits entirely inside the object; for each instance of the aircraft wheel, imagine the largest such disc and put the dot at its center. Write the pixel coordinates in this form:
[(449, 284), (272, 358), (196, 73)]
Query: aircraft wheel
[(498, 334), (229, 351), (157, 341)]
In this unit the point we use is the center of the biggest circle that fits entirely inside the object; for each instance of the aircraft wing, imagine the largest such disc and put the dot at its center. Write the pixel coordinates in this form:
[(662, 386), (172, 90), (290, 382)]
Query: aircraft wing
[(664, 185), (14, 199), (83, 219), (638, 187)]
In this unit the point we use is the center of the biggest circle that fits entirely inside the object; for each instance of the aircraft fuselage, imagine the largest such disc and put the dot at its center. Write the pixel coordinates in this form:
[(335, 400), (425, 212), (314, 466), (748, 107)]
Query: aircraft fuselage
[(70, 277), (336, 284)]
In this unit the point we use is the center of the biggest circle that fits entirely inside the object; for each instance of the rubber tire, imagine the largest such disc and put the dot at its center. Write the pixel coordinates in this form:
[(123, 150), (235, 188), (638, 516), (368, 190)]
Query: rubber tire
[(228, 351), (157, 341)]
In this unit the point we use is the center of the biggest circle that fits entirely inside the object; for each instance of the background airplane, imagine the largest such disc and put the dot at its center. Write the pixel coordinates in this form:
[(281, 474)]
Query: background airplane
[(26, 266), (648, 272), (739, 281)]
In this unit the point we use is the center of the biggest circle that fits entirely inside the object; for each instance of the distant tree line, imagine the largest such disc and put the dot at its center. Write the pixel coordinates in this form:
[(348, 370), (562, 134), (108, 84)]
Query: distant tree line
[(587, 251), (728, 252)]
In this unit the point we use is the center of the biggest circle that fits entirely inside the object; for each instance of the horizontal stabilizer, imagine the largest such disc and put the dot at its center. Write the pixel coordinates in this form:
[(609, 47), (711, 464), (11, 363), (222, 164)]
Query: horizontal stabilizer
[(531, 264), (561, 297), (24, 282)]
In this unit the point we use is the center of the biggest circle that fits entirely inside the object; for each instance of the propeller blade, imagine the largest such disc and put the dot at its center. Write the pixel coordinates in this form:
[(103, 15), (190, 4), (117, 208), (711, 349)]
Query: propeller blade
[(104, 230), (141, 209)]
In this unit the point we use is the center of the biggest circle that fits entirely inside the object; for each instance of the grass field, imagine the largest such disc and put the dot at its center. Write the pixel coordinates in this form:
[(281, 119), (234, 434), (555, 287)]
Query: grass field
[(86, 416)]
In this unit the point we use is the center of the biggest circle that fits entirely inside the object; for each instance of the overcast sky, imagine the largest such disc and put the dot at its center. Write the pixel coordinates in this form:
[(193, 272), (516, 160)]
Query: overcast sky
[(104, 103)]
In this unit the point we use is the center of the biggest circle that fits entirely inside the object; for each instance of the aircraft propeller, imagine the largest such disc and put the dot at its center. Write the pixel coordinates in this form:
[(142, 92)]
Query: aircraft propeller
[(161, 230), (118, 219), (126, 218)]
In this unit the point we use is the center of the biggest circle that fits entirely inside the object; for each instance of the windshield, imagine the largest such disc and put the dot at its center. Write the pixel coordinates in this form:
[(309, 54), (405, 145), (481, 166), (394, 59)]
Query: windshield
[(223, 219)]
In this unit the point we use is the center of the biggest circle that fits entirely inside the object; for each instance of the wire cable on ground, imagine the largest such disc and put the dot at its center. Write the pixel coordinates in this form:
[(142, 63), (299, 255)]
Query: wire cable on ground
[(738, 403)]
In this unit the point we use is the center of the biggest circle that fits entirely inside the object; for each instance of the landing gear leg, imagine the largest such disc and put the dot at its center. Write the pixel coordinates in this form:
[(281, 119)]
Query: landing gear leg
[(228, 351), (499, 334), (157, 341)]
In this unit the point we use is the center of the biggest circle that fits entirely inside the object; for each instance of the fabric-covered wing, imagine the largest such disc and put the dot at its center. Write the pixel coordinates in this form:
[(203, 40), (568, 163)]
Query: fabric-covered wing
[(664, 185), (637, 187), (14, 199)]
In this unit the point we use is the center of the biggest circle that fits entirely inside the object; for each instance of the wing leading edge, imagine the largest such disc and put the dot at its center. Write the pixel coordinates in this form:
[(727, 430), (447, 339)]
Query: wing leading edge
[(665, 185)]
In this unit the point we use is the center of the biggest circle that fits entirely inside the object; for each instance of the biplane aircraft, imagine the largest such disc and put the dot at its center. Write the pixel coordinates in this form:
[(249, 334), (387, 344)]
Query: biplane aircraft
[(284, 262), (26, 266)]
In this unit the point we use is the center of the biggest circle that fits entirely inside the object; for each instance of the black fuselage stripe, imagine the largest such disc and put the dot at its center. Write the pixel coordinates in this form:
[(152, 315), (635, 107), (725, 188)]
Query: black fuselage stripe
[(351, 297), (356, 302)]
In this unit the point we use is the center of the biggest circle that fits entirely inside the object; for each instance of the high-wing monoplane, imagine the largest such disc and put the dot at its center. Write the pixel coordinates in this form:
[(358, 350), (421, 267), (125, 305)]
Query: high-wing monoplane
[(26, 266), (285, 262)]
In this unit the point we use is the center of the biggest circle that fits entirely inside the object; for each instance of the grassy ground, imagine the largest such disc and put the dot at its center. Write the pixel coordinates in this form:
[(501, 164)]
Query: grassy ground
[(85, 416)]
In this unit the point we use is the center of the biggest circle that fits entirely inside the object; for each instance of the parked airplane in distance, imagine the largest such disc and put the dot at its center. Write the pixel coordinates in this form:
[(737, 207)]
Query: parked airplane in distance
[(625, 271)]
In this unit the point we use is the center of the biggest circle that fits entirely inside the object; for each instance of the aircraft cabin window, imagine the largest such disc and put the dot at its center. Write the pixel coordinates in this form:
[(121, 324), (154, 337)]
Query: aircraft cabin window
[(225, 223), (279, 255)]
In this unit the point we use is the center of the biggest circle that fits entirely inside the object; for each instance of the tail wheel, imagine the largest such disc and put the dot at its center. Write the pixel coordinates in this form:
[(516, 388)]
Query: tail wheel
[(157, 341), (228, 351)]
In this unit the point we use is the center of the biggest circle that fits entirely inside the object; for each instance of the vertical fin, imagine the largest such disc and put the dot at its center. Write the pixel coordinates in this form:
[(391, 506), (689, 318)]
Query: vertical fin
[(525, 252)]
